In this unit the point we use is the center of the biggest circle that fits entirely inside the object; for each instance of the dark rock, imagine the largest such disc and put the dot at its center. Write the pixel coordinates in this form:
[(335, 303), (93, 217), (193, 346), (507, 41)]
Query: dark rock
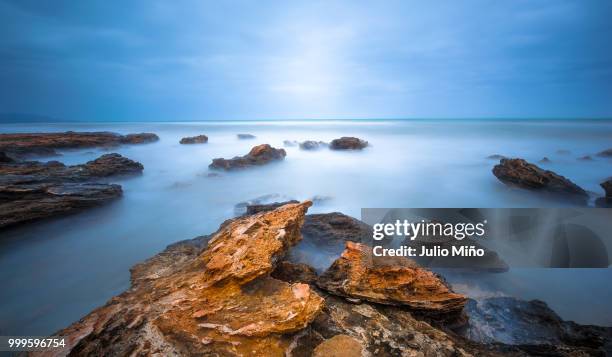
[(335, 229), (200, 139), (294, 273), (5, 158), (241, 207), (544, 160), (245, 136), (585, 158), (44, 144), (348, 143), (605, 201), (259, 155), (605, 153), (312, 145), (496, 157), (520, 173), (252, 209)]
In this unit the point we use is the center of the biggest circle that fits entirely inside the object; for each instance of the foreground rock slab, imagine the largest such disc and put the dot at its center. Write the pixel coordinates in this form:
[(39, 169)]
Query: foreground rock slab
[(200, 139), (348, 143), (44, 144), (520, 173), (259, 155), (390, 280)]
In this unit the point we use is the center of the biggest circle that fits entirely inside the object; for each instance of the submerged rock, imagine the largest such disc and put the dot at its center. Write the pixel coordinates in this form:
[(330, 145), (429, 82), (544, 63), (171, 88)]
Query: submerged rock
[(585, 158), (390, 280), (245, 136), (312, 145), (496, 157), (544, 160), (290, 143), (520, 173), (26, 144), (605, 201), (605, 153), (348, 143), (200, 139), (259, 155)]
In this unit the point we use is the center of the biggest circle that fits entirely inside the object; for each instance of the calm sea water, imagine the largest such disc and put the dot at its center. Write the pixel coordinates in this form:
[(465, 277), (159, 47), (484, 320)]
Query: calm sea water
[(56, 271)]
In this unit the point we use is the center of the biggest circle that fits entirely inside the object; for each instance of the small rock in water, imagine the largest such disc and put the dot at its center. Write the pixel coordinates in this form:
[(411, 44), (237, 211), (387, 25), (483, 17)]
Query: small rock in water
[(312, 145), (348, 143), (245, 136), (290, 143), (496, 157), (544, 160), (200, 139), (605, 153), (586, 158), (259, 155)]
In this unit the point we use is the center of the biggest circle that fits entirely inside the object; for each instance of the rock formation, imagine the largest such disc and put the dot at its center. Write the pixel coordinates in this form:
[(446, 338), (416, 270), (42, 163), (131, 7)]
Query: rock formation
[(245, 136), (390, 280), (200, 139), (605, 153), (259, 155), (31, 190), (44, 144), (520, 173), (605, 201), (348, 143)]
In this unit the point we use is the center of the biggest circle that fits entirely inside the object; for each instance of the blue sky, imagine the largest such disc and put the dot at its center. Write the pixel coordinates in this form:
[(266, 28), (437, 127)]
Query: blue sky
[(197, 60)]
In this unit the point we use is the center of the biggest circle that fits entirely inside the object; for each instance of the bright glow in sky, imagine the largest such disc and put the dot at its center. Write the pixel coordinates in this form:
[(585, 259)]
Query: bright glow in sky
[(194, 60)]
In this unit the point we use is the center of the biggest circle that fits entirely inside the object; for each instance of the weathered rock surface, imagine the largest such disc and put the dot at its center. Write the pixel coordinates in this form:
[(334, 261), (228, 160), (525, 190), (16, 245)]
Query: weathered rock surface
[(245, 136), (31, 190), (312, 145), (520, 173), (219, 301), (339, 346), (390, 280), (294, 273), (28, 144), (348, 143), (605, 153), (200, 139), (259, 155), (605, 201)]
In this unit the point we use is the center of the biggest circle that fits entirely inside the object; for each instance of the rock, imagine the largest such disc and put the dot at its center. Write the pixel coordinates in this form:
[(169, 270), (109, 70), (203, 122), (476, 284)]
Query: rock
[(32, 201), (585, 158), (213, 174), (520, 173), (496, 157), (531, 323), (544, 160), (605, 201), (33, 190), (392, 281), (312, 145), (220, 301), (339, 346), (605, 153), (259, 155), (290, 143), (246, 136), (272, 198), (348, 143), (200, 139), (252, 209), (5, 158), (294, 273), (27, 144)]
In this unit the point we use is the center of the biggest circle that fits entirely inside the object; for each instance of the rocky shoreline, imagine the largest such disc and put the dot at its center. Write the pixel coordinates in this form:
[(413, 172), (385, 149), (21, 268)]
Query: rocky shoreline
[(233, 293)]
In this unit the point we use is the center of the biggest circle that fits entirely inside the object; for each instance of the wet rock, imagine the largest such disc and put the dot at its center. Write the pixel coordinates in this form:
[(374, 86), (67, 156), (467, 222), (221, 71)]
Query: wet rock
[(259, 155), (496, 157), (544, 160), (531, 323), (348, 143), (252, 209), (520, 173), (605, 153), (245, 136), (200, 139), (295, 273), (312, 145), (21, 145), (585, 158), (220, 301), (339, 346), (605, 201), (390, 280)]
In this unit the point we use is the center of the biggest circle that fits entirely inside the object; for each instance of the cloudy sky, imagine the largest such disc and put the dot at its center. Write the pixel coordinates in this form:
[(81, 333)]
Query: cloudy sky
[(202, 60)]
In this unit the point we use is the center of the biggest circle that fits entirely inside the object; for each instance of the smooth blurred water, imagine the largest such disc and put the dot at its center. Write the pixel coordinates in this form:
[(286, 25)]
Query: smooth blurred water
[(56, 271)]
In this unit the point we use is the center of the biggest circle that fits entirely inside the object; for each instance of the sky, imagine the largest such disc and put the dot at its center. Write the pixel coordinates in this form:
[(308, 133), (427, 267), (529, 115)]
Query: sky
[(217, 60)]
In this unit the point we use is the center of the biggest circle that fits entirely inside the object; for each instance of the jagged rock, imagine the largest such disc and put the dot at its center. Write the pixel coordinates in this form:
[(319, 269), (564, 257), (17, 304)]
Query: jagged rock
[(605, 201), (312, 145), (259, 155), (245, 136), (252, 209), (531, 323), (585, 158), (219, 301), (545, 160), (295, 273), (31, 190), (605, 153), (27, 144), (339, 346), (390, 280), (348, 143), (520, 173), (496, 157), (200, 139)]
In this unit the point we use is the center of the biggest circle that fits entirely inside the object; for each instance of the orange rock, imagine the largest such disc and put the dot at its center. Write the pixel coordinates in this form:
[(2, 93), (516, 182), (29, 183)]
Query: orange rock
[(339, 346)]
